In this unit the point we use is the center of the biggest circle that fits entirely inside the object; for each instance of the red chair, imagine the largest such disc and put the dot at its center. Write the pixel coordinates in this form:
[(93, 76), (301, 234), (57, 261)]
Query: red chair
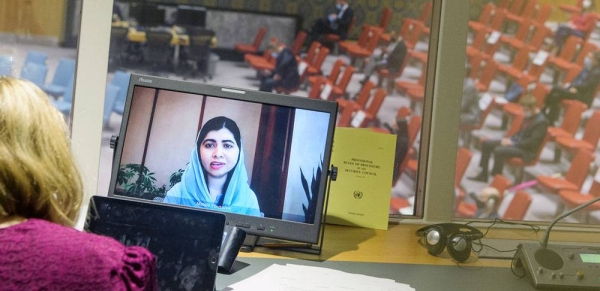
[(499, 182), (487, 75), (583, 50), (539, 92), (485, 16), (589, 140), (572, 199), (520, 36), (518, 64), (570, 121), (361, 99), (314, 67), (298, 42), (566, 54), (252, 48), (495, 24), (403, 86), (518, 207), (333, 74), (339, 86), (360, 52), (542, 14), (463, 158), (527, 13), (574, 178), (572, 9), (362, 118), (362, 39)]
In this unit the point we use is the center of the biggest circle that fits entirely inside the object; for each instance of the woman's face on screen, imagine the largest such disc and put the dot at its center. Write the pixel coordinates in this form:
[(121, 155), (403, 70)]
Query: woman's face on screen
[(219, 152)]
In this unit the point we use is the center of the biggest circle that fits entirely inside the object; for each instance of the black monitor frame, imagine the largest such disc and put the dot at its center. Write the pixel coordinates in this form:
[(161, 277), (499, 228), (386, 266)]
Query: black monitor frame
[(152, 15), (310, 234), (188, 15)]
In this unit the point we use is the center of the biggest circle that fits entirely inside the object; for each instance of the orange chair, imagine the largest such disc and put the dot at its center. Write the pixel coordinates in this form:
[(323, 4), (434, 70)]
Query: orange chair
[(314, 67), (403, 86), (566, 55), (361, 99), (572, 199), (542, 14), (495, 24), (333, 74), (589, 140), (363, 118), (476, 47), (520, 36), (463, 158), (298, 42), (485, 16), (362, 39), (570, 121), (518, 207), (313, 50), (584, 49), (500, 182), (518, 64), (526, 13), (487, 75), (515, 7), (252, 48), (575, 176), (572, 9), (539, 92), (339, 86), (360, 52), (411, 33), (384, 74), (414, 127)]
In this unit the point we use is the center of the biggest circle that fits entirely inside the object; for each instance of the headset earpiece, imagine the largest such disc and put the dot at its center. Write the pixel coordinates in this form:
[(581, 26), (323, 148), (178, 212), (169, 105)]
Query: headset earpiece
[(455, 238), (459, 247)]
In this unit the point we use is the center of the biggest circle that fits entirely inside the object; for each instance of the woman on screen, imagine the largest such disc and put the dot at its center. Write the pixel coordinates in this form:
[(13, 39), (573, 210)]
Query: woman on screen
[(216, 176)]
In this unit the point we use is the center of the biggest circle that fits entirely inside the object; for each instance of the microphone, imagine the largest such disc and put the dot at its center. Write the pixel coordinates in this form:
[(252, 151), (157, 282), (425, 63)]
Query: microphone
[(544, 241)]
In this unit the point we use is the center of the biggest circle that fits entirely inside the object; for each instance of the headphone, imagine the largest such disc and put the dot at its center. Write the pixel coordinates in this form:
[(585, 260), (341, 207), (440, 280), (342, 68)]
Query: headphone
[(455, 238)]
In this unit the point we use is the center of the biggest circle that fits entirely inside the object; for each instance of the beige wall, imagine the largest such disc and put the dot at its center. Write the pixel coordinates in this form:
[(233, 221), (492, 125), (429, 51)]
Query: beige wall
[(33, 17), (137, 126)]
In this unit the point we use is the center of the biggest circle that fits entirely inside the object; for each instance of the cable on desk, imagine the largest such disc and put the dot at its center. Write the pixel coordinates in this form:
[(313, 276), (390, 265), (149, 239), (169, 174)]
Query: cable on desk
[(514, 262), (497, 220)]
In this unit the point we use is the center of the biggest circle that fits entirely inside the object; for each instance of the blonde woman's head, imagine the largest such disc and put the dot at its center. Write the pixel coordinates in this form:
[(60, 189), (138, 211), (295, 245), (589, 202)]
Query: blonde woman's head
[(38, 177)]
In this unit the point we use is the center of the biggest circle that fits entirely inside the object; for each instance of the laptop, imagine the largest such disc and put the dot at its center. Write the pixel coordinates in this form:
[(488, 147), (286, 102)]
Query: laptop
[(186, 241)]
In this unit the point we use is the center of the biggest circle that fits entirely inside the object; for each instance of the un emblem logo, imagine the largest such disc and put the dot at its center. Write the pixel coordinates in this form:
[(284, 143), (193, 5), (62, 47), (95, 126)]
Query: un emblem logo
[(358, 194)]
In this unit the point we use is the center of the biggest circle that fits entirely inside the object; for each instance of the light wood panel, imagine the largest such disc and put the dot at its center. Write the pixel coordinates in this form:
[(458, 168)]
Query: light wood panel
[(399, 244), (33, 17)]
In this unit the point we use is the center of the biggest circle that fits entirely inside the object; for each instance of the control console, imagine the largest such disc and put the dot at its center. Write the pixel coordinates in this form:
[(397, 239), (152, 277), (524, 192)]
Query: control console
[(560, 267)]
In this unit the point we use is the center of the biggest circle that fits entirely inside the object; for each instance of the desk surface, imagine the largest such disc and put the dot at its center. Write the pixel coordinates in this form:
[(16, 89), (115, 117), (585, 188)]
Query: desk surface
[(396, 254)]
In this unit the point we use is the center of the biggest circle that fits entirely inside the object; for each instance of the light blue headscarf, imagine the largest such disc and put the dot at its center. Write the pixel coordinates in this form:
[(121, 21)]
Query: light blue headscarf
[(193, 191)]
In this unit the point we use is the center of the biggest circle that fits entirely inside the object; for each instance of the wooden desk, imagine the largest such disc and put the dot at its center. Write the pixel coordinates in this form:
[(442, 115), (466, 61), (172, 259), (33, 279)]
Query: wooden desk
[(399, 245), (395, 254)]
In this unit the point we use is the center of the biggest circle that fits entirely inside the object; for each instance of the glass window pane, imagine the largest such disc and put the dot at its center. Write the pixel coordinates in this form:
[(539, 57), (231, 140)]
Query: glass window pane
[(223, 43), (526, 139), (37, 44)]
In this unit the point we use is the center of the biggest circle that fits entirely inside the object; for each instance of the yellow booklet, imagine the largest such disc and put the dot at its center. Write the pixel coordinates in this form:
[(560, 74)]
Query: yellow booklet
[(361, 194)]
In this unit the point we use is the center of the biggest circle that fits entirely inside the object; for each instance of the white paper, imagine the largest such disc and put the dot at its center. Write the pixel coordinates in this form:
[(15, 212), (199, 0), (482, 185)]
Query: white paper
[(540, 58), (494, 37), (358, 119), (302, 67), (305, 278), (485, 101), (326, 91)]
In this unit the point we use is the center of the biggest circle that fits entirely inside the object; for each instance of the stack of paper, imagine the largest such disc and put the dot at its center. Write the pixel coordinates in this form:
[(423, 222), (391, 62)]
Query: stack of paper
[(301, 278)]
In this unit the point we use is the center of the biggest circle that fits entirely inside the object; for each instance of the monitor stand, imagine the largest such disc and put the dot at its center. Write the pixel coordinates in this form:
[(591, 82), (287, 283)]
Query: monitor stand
[(252, 241)]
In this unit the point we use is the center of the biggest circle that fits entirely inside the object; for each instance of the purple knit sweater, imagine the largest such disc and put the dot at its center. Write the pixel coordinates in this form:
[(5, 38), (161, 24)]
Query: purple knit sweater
[(40, 255)]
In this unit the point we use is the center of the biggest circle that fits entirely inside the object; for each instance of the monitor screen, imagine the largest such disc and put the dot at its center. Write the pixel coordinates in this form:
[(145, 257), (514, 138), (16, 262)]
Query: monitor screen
[(152, 15), (186, 242), (260, 158), (191, 16)]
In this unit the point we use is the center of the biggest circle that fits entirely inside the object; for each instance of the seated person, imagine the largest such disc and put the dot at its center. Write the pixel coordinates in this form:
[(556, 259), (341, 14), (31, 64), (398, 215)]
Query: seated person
[(579, 25), (582, 88), (285, 75), (40, 196), (487, 201), (216, 177), (470, 112), (391, 57), (524, 144), (336, 22)]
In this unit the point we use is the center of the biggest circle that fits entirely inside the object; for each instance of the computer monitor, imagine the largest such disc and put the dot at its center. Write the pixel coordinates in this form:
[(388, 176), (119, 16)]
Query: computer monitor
[(152, 15), (261, 159), (188, 15)]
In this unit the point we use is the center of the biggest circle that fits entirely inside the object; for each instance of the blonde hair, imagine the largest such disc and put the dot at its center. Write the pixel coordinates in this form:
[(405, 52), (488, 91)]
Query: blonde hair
[(38, 177)]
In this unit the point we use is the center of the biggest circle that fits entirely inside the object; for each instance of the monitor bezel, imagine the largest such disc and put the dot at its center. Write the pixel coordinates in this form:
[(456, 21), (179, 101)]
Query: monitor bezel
[(274, 228)]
